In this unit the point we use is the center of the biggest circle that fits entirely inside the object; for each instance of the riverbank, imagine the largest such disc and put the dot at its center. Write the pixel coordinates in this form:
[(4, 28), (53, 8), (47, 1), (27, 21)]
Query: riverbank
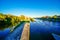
[(50, 19), (12, 29), (25, 33)]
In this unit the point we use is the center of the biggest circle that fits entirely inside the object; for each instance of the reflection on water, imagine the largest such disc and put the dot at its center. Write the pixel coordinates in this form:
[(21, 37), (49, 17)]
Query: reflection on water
[(4, 33), (41, 30)]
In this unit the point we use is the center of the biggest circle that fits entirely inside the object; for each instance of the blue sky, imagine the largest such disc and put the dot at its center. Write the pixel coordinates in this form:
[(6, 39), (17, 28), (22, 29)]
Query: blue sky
[(32, 8)]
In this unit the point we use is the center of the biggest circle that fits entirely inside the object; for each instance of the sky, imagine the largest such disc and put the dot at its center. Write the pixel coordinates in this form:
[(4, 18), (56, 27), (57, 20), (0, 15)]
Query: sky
[(31, 8)]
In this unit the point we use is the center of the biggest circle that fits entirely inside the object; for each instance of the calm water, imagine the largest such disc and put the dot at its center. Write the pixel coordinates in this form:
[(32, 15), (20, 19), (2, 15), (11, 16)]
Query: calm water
[(4, 33), (39, 30), (15, 35), (43, 30)]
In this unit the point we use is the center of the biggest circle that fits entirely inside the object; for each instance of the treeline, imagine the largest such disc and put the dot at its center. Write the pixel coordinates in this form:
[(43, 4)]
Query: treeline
[(54, 18), (8, 20)]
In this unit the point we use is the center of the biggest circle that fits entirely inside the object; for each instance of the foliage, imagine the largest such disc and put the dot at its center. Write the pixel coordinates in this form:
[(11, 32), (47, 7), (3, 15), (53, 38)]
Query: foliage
[(8, 20), (54, 18)]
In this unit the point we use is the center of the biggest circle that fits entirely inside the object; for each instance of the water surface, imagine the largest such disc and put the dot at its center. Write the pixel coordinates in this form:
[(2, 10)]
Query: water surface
[(43, 30)]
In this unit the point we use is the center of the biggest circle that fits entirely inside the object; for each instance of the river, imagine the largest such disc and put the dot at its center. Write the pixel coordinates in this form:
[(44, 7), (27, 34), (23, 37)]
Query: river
[(44, 30), (15, 35), (39, 30)]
